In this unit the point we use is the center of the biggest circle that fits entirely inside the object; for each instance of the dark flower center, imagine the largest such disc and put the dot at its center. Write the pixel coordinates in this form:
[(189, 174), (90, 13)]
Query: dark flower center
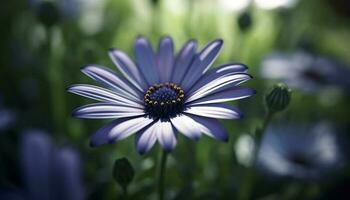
[(314, 75), (164, 101), (301, 160)]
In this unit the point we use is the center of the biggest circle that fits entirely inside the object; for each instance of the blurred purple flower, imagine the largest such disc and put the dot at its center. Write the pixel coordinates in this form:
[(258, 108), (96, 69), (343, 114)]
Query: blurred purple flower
[(162, 93), (307, 152), (305, 71), (49, 173), (8, 117), (66, 8)]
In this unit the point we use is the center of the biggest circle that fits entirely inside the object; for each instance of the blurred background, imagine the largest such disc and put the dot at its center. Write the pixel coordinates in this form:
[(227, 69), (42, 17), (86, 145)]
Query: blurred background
[(302, 153)]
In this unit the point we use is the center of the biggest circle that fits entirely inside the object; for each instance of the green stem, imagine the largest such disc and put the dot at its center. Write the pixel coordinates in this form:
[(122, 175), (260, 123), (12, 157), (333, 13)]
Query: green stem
[(267, 120), (162, 175), (248, 184), (125, 193), (55, 81)]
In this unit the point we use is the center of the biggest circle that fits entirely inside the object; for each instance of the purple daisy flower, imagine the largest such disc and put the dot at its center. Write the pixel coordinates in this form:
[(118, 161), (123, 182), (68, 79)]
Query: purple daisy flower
[(66, 8), (305, 71), (161, 94)]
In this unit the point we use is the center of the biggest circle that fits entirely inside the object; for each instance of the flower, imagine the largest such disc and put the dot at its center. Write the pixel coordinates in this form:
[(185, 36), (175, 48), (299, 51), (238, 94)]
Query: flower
[(276, 4), (244, 149), (304, 71), (303, 152), (53, 11), (49, 172), (161, 94), (8, 117)]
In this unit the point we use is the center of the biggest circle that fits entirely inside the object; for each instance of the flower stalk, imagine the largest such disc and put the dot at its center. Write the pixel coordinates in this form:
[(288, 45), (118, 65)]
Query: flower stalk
[(161, 177), (276, 100), (55, 81)]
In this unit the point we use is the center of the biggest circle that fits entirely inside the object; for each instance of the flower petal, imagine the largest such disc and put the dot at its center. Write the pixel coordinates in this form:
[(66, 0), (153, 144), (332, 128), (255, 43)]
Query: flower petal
[(210, 127), (222, 83), (165, 59), (118, 130), (233, 93), (218, 72), (67, 179), (104, 95), (187, 126), (36, 154), (183, 61), (201, 63), (218, 111), (111, 80), (128, 68), (127, 128), (146, 60), (146, 139), (106, 111), (166, 135), (101, 136)]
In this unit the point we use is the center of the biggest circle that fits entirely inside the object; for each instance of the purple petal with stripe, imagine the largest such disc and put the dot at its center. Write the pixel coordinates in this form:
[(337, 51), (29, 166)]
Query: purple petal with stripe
[(166, 135), (146, 139), (187, 126), (165, 59), (218, 72), (101, 136), (36, 154), (231, 94), (128, 68), (127, 128), (210, 127), (146, 60), (108, 78), (201, 63), (217, 111), (183, 61), (104, 95), (106, 111), (119, 129), (219, 84)]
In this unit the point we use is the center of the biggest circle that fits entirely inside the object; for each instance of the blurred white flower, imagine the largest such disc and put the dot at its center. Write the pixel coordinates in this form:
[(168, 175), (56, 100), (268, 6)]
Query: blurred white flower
[(234, 5), (305, 152), (274, 4), (92, 16), (244, 148)]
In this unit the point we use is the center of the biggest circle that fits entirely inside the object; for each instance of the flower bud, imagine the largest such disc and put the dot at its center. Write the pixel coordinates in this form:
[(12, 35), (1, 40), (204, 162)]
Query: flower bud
[(48, 13), (123, 172), (245, 21), (278, 98)]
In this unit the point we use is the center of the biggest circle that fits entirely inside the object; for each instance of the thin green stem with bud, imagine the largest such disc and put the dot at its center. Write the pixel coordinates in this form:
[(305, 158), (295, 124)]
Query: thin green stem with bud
[(276, 101)]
